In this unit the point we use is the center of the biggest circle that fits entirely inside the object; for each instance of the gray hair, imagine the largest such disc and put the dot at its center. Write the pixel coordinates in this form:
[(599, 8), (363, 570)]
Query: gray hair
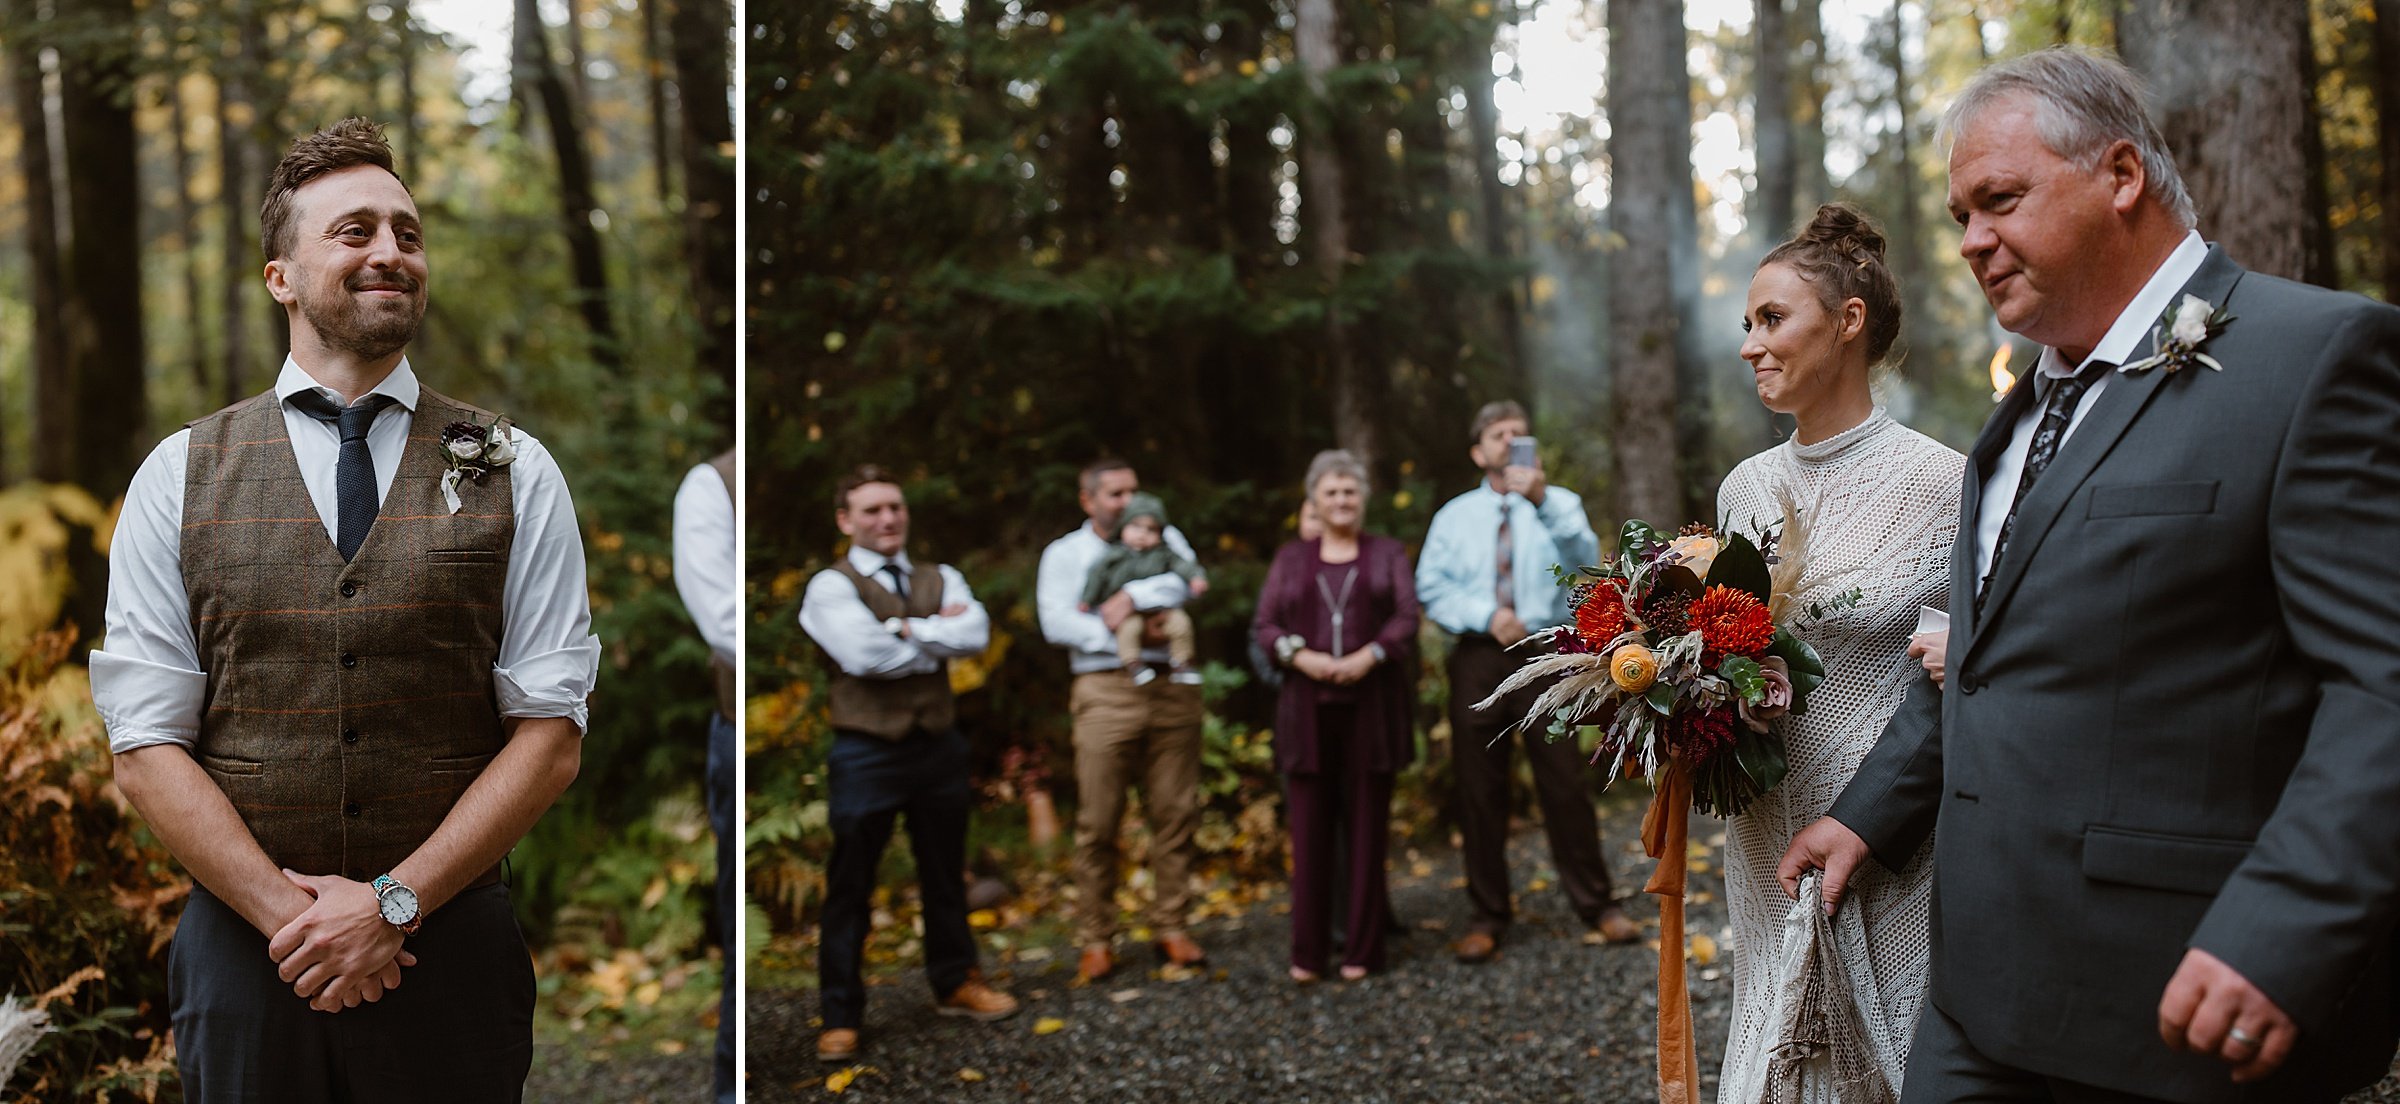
[(2084, 101), (1335, 462)]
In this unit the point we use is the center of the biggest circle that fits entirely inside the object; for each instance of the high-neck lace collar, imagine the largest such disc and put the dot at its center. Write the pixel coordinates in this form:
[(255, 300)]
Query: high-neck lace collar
[(1832, 448)]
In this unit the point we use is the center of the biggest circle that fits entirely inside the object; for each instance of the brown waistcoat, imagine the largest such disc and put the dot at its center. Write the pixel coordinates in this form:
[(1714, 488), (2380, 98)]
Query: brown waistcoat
[(892, 708), (349, 704), (718, 666)]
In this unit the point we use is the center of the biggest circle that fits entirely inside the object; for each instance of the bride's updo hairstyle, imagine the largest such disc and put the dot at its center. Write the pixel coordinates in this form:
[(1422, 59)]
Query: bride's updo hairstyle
[(1841, 252)]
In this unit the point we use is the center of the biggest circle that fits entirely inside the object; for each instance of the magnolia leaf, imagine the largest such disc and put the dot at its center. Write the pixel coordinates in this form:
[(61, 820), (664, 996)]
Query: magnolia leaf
[(1743, 673), (1661, 698), (1761, 756), (1807, 670), (1740, 565), (1678, 578)]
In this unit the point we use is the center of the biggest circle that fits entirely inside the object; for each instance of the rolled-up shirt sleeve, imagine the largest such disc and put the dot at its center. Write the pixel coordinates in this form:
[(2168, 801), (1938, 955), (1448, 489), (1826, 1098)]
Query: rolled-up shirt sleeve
[(146, 677), (549, 659), (705, 572), (1058, 590)]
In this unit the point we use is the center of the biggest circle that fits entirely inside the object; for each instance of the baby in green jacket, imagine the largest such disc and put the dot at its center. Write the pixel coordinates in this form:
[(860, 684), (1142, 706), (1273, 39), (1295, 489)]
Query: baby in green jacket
[(1140, 552)]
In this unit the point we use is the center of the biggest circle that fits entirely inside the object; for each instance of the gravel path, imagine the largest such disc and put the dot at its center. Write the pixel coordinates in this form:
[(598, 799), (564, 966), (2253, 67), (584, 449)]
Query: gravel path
[(1550, 1019)]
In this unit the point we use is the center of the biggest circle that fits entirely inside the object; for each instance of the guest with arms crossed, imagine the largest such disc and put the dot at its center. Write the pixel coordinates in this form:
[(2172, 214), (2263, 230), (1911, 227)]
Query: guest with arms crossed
[(1125, 733), (708, 577), (891, 628), (2166, 865), (340, 696), (1484, 576)]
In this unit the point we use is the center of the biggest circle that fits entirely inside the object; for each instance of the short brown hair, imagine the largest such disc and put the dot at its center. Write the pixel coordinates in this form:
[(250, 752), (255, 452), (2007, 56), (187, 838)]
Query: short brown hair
[(1841, 252), (1500, 411), (347, 144), (860, 476), (1089, 481)]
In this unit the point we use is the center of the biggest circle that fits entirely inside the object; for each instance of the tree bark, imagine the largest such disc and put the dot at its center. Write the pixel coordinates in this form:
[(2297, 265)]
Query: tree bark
[(1907, 245), (654, 80), (2231, 106), (577, 60), (53, 410), (2319, 265), (1491, 197), (539, 72), (701, 76), (1812, 184), (188, 230), (1649, 109), (404, 44), (102, 302), (1326, 223), (237, 185), (1778, 158), (2387, 127)]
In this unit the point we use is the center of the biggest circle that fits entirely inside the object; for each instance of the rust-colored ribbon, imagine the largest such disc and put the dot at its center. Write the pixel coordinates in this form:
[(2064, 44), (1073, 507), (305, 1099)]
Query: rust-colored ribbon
[(1664, 832)]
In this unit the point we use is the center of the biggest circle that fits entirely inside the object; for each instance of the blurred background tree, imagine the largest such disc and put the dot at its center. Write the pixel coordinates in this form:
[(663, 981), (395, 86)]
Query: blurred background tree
[(991, 240), (574, 164)]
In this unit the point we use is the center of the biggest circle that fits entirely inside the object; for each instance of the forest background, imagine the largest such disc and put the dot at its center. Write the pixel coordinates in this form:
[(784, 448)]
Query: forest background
[(992, 240), (574, 162)]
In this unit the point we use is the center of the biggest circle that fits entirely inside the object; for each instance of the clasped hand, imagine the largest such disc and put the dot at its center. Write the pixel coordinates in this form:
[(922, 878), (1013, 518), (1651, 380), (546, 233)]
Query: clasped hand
[(1340, 672), (340, 951)]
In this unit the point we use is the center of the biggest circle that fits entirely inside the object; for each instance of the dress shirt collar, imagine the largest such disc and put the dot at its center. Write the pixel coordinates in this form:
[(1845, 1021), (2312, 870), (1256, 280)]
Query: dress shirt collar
[(868, 563), (2122, 338), (401, 385)]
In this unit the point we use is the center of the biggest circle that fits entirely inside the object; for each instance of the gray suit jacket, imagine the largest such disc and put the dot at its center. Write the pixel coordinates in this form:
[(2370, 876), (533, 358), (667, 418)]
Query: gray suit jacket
[(2176, 722)]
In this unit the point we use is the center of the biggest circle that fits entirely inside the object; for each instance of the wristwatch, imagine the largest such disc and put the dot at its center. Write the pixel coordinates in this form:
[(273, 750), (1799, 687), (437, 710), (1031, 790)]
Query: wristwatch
[(1289, 647), (397, 903)]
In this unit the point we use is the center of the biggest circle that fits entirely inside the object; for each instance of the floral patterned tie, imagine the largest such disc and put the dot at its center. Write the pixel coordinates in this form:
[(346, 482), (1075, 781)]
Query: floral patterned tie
[(2057, 415)]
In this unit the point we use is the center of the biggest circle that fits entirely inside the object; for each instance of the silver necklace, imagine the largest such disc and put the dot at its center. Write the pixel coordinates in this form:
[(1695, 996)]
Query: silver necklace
[(1334, 605)]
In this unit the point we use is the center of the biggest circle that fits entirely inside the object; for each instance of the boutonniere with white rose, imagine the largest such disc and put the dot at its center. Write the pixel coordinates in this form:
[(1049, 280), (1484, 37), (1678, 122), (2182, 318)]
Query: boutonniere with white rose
[(474, 450), (2182, 330)]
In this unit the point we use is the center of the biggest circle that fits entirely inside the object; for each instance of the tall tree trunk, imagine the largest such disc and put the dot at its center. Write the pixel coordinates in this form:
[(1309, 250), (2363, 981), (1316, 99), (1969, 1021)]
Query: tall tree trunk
[(2230, 104), (654, 82), (1649, 108), (701, 77), (578, 62), (102, 304), (1778, 163), (237, 184), (1907, 250), (53, 409), (404, 44), (1812, 184), (188, 231), (1491, 197), (1325, 222), (2387, 127), (539, 73), (2319, 265)]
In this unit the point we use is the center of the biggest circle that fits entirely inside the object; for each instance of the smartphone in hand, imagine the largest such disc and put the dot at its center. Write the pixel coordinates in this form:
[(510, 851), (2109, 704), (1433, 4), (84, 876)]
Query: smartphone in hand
[(1520, 452)]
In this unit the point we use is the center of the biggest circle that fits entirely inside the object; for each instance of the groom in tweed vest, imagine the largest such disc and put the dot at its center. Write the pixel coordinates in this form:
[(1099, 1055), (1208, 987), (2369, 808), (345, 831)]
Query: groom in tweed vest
[(346, 667)]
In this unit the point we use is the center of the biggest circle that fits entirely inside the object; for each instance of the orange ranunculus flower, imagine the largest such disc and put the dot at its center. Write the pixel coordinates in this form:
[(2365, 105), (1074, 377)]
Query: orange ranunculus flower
[(1633, 667), (1731, 622)]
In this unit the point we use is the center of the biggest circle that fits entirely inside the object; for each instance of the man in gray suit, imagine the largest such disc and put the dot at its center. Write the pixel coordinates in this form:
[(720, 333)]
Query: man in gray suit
[(2167, 763)]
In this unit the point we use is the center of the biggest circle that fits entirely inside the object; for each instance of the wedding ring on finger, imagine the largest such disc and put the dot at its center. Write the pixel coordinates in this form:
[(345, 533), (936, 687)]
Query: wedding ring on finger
[(2237, 1035)]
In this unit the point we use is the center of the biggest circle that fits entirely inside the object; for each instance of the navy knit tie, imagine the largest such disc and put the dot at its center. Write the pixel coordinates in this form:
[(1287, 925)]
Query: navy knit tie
[(354, 472)]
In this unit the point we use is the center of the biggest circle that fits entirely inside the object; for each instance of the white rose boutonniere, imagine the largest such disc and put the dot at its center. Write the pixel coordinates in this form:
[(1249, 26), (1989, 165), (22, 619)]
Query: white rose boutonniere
[(473, 450), (2182, 330)]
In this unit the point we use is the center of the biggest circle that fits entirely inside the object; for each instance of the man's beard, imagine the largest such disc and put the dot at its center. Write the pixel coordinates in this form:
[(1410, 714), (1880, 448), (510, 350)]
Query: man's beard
[(364, 331)]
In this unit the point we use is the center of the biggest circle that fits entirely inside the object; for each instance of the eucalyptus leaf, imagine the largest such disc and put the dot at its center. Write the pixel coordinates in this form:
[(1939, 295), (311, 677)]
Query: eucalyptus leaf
[(1743, 673), (1638, 537)]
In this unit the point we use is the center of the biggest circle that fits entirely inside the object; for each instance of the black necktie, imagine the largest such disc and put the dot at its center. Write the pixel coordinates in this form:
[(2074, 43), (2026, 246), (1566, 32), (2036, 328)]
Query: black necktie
[(2057, 415), (354, 472), (899, 581)]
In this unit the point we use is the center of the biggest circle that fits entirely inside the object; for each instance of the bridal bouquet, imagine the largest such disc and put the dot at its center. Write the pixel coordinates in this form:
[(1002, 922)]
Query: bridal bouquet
[(1679, 651)]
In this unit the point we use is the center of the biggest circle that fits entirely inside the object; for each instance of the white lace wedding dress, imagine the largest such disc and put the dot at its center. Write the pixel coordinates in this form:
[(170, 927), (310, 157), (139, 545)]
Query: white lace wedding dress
[(1880, 506)]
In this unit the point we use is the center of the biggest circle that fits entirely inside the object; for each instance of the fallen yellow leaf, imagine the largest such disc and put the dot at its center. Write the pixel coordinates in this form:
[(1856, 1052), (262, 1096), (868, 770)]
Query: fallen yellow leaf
[(970, 1075), (983, 919), (839, 1081), (1049, 1025), (1704, 949)]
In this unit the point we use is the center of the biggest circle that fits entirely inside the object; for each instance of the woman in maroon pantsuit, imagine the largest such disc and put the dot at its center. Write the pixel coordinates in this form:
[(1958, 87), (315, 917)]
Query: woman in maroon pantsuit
[(1340, 612)]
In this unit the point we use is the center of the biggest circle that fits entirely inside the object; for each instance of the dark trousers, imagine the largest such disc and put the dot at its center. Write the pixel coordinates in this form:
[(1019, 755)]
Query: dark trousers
[(1945, 1068), (1561, 780), (722, 754), (874, 782), (458, 1030), (1339, 800)]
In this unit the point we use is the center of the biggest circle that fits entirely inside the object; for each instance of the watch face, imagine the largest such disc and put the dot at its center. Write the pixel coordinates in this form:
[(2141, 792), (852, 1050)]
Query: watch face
[(398, 905)]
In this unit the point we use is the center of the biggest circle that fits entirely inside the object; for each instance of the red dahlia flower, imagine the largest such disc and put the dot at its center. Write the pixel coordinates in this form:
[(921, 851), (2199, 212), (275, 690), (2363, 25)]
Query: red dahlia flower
[(1601, 617), (1731, 622)]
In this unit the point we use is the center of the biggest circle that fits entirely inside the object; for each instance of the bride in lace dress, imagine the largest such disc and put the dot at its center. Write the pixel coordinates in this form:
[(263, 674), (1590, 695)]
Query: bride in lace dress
[(1877, 507)]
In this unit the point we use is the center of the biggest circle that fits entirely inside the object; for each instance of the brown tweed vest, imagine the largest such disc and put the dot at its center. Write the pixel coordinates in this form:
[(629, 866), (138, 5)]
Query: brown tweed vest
[(892, 708), (717, 665), (349, 704)]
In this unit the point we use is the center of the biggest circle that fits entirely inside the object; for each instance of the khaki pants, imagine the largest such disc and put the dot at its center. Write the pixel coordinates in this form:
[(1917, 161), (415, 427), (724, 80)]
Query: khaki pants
[(1129, 735), (1173, 624)]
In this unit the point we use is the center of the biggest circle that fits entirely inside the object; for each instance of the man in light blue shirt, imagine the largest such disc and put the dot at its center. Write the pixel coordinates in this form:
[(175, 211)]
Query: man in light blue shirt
[(1484, 576)]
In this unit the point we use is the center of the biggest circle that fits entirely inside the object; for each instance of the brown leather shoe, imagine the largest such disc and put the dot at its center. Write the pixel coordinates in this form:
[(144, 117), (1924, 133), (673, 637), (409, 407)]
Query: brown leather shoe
[(1096, 963), (977, 1001), (1476, 948), (1179, 949), (1616, 927), (839, 1044)]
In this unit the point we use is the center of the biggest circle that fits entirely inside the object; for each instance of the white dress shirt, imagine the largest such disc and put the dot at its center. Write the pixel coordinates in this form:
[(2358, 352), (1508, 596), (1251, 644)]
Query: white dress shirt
[(2115, 347), (705, 557), (839, 621), (1058, 591), (146, 677)]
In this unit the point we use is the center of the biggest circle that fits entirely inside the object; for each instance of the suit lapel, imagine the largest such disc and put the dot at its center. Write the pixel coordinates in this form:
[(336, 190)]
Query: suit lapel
[(1986, 450), (2111, 415)]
